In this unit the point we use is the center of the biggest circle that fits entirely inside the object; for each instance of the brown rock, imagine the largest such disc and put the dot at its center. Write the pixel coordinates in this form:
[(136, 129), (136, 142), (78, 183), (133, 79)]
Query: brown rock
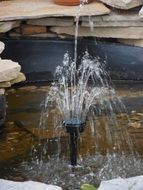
[(25, 9), (30, 29), (123, 4)]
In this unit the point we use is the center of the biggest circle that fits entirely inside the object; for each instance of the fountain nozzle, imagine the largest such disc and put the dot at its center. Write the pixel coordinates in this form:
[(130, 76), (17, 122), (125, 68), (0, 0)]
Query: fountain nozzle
[(73, 127)]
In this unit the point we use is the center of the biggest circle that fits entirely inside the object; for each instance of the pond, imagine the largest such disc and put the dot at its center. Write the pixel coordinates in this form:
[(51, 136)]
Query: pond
[(30, 154)]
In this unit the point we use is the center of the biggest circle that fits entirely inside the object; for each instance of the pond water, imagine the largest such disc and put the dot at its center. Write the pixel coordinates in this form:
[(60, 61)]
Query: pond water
[(24, 148)]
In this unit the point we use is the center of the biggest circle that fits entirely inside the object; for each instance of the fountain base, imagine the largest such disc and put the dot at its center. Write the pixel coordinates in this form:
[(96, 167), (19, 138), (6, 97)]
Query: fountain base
[(73, 127)]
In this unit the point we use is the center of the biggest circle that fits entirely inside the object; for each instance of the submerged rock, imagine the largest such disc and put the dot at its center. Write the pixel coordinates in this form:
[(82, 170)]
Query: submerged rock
[(28, 185)]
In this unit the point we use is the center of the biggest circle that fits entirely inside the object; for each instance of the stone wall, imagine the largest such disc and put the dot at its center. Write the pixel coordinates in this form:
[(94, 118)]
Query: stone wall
[(108, 19)]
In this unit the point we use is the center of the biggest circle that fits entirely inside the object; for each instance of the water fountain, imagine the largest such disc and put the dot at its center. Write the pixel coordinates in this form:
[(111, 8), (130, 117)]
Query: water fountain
[(82, 100), (80, 96), (77, 94)]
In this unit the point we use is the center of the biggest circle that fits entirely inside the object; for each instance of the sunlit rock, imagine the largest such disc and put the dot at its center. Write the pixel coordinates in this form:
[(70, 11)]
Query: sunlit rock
[(133, 183), (31, 185), (9, 70), (26, 9), (20, 78)]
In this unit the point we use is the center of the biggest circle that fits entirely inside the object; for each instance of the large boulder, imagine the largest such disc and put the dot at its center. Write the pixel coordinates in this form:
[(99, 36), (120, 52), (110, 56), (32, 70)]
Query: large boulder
[(123, 4)]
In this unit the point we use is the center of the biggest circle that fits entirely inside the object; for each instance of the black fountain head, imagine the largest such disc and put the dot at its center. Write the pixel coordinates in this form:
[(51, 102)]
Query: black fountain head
[(74, 125)]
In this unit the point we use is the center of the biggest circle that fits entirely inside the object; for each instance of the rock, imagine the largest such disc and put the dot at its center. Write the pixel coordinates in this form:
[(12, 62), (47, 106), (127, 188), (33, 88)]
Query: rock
[(132, 42), (15, 10), (6, 26), (113, 24), (14, 35), (52, 21), (2, 46), (30, 29), (107, 32), (135, 125), (20, 78), (9, 70), (6, 184), (133, 183), (2, 91), (42, 35), (6, 84), (115, 16), (123, 4), (2, 110), (115, 19), (45, 35), (141, 13)]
